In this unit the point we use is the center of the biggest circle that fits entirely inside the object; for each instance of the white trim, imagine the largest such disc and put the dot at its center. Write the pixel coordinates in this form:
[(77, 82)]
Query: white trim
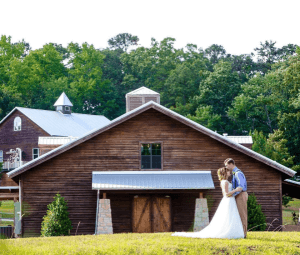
[(1, 156), (9, 187), (175, 115)]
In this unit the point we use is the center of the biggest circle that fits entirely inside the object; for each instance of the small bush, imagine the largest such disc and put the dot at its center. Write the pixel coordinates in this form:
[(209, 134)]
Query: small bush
[(256, 218), (56, 222)]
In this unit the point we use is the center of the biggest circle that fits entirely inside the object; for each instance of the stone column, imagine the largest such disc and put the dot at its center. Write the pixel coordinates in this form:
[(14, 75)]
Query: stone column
[(201, 214), (104, 217)]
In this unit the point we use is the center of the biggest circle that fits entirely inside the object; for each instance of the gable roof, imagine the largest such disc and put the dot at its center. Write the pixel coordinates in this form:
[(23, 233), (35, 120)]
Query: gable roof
[(58, 124), (165, 111), (63, 100), (143, 91)]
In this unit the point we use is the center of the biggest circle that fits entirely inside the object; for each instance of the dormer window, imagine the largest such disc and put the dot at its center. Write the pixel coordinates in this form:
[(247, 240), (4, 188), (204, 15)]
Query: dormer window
[(17, 124), (67, 108), (59, 108)]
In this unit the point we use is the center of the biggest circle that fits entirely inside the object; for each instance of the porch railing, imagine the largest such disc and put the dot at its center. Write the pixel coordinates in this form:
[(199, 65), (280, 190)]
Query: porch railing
[(9, 166)]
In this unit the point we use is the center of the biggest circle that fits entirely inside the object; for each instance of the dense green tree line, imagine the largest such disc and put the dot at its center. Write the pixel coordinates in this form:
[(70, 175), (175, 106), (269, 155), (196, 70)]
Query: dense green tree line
[(235, 94)]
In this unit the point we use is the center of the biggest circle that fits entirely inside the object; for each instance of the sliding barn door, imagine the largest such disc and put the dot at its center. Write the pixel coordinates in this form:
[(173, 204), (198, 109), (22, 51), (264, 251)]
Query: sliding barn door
[(161, 214), (141, 215), (151, 214)]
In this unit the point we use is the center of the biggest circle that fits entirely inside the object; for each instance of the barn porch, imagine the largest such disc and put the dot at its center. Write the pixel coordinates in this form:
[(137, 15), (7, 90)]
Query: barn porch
[(151, 201)]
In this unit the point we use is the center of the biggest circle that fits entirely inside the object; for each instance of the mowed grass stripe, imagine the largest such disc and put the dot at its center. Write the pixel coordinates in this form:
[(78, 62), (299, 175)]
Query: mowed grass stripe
[(159, 243)]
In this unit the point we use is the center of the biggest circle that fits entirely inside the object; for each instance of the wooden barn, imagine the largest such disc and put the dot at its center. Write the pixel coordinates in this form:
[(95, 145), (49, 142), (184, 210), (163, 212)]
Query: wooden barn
[(152, 169)]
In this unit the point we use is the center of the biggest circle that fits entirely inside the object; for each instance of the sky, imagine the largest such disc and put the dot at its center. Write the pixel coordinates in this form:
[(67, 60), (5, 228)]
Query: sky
[(239, 26)]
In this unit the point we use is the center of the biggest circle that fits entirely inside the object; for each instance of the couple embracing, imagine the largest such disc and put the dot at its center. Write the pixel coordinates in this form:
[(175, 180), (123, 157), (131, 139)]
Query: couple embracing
[(230, 219)]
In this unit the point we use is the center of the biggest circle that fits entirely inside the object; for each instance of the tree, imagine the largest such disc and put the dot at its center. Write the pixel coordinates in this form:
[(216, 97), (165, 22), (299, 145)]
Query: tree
[(218, 90), (29, 75), (274, 147), (215, 53), (268, 54), (91, 94), (8, 52), (123, 41), (256, 218), (112, 69), (151, 67), (56, 222)]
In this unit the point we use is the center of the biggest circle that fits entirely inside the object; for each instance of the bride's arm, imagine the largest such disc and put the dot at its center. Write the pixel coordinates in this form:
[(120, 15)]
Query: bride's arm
[(226, 188)]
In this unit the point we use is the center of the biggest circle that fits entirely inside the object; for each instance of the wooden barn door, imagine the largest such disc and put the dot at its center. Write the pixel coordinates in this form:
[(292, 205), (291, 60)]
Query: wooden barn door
[(151, 214)]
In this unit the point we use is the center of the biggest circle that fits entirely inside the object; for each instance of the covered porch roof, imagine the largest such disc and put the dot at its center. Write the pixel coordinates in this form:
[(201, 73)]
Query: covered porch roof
[(291, 188), (152, 180)]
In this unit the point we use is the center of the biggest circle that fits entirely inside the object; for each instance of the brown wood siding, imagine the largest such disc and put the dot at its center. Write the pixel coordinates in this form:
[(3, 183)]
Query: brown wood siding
[(26, 139), (117, 149), (6, 181), (44, 148)]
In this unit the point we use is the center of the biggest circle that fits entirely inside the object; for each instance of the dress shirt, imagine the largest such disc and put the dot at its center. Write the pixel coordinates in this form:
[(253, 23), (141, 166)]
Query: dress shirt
[(238, 181)]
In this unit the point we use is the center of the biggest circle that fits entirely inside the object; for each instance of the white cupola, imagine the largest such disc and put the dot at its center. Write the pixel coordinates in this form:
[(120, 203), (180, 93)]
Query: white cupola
[(63, 104), (139, 97)]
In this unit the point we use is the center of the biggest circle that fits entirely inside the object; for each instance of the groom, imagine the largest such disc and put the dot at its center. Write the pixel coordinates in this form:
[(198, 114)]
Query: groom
[(239, 190)]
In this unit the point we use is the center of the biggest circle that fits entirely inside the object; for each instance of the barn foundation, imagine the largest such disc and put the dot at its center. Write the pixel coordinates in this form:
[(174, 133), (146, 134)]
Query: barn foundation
[(104, 223), (201, 214)]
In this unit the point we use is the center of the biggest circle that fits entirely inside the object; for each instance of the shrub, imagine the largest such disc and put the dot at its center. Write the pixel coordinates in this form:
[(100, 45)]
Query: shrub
[(285, 200), (56, 222), (256, 218)]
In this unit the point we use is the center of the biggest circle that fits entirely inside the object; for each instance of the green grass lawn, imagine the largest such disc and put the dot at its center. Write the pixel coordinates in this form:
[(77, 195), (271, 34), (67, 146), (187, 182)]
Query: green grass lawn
[(159, 243), (5, 208), (287, 212)]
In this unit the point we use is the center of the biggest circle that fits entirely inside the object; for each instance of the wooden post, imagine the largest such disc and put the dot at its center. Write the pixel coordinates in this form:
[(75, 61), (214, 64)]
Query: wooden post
[(201, 195), (104, 195)]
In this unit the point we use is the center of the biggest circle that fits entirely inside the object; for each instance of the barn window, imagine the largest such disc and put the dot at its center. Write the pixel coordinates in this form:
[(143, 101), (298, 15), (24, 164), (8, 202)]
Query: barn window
[(35, 153), (17, 124), (150, 156), (1, 156)]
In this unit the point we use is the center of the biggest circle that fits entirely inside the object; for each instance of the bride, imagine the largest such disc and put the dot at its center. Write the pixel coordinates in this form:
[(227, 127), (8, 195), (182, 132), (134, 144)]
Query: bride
[(226, 222)]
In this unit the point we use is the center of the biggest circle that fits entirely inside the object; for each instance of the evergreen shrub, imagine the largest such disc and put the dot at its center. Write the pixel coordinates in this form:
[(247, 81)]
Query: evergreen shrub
[(56, 222), (256, 218)]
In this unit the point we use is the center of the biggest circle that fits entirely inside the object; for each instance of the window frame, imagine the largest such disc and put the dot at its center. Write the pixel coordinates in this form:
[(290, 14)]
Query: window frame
[(140, 156), (35, 154), (1, 157), (67, 108), (18, 126)]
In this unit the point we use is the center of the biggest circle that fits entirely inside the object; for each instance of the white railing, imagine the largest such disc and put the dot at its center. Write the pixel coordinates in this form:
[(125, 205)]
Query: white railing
[(9, 166)]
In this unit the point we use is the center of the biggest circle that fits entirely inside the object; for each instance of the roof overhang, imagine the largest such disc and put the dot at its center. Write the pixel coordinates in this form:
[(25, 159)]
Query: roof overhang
[(167, 112), (152, 180), (291, 188)]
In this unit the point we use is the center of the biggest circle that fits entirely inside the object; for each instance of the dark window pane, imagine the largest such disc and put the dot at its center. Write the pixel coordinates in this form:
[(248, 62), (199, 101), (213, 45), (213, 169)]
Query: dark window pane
[(156, 162), (156, 149), (145, 149), (146, 162)]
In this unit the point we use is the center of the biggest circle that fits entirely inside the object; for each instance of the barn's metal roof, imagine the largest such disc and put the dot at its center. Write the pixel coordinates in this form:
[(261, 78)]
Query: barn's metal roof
[(63, 100), (241, 139), (152, 180), (58, 124), (143, 91), (291, 181), (169, 113)]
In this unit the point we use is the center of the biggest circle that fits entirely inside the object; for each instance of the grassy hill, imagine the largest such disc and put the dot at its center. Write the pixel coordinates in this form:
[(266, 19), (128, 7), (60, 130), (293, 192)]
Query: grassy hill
[(158, 243)]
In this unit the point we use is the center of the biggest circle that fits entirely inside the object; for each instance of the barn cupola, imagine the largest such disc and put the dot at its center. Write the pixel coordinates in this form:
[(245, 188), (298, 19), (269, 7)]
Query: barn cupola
[(139, 97), (63, 104)]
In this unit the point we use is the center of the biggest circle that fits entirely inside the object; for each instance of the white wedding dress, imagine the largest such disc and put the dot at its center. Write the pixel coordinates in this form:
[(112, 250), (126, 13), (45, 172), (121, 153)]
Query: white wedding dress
[(226, 222)]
